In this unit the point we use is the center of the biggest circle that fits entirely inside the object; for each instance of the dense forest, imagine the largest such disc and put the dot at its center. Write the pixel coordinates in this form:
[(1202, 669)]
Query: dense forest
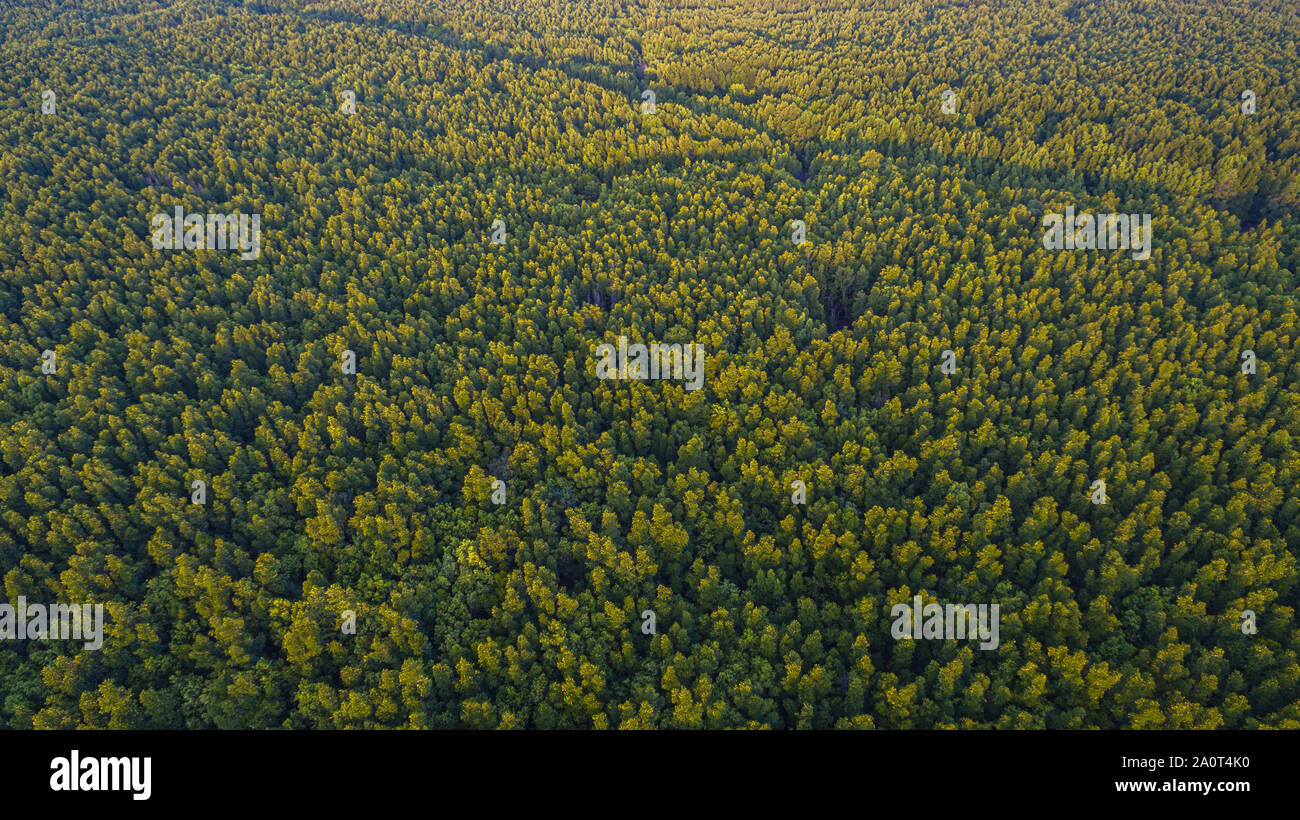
[(417, 505)]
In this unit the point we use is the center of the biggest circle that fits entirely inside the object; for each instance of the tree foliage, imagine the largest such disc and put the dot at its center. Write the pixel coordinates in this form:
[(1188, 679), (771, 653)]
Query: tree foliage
[(331, 493)]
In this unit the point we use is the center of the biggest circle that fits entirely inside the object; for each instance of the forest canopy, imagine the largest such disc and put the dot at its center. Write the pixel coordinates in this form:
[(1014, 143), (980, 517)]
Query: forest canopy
[(461, 525)]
